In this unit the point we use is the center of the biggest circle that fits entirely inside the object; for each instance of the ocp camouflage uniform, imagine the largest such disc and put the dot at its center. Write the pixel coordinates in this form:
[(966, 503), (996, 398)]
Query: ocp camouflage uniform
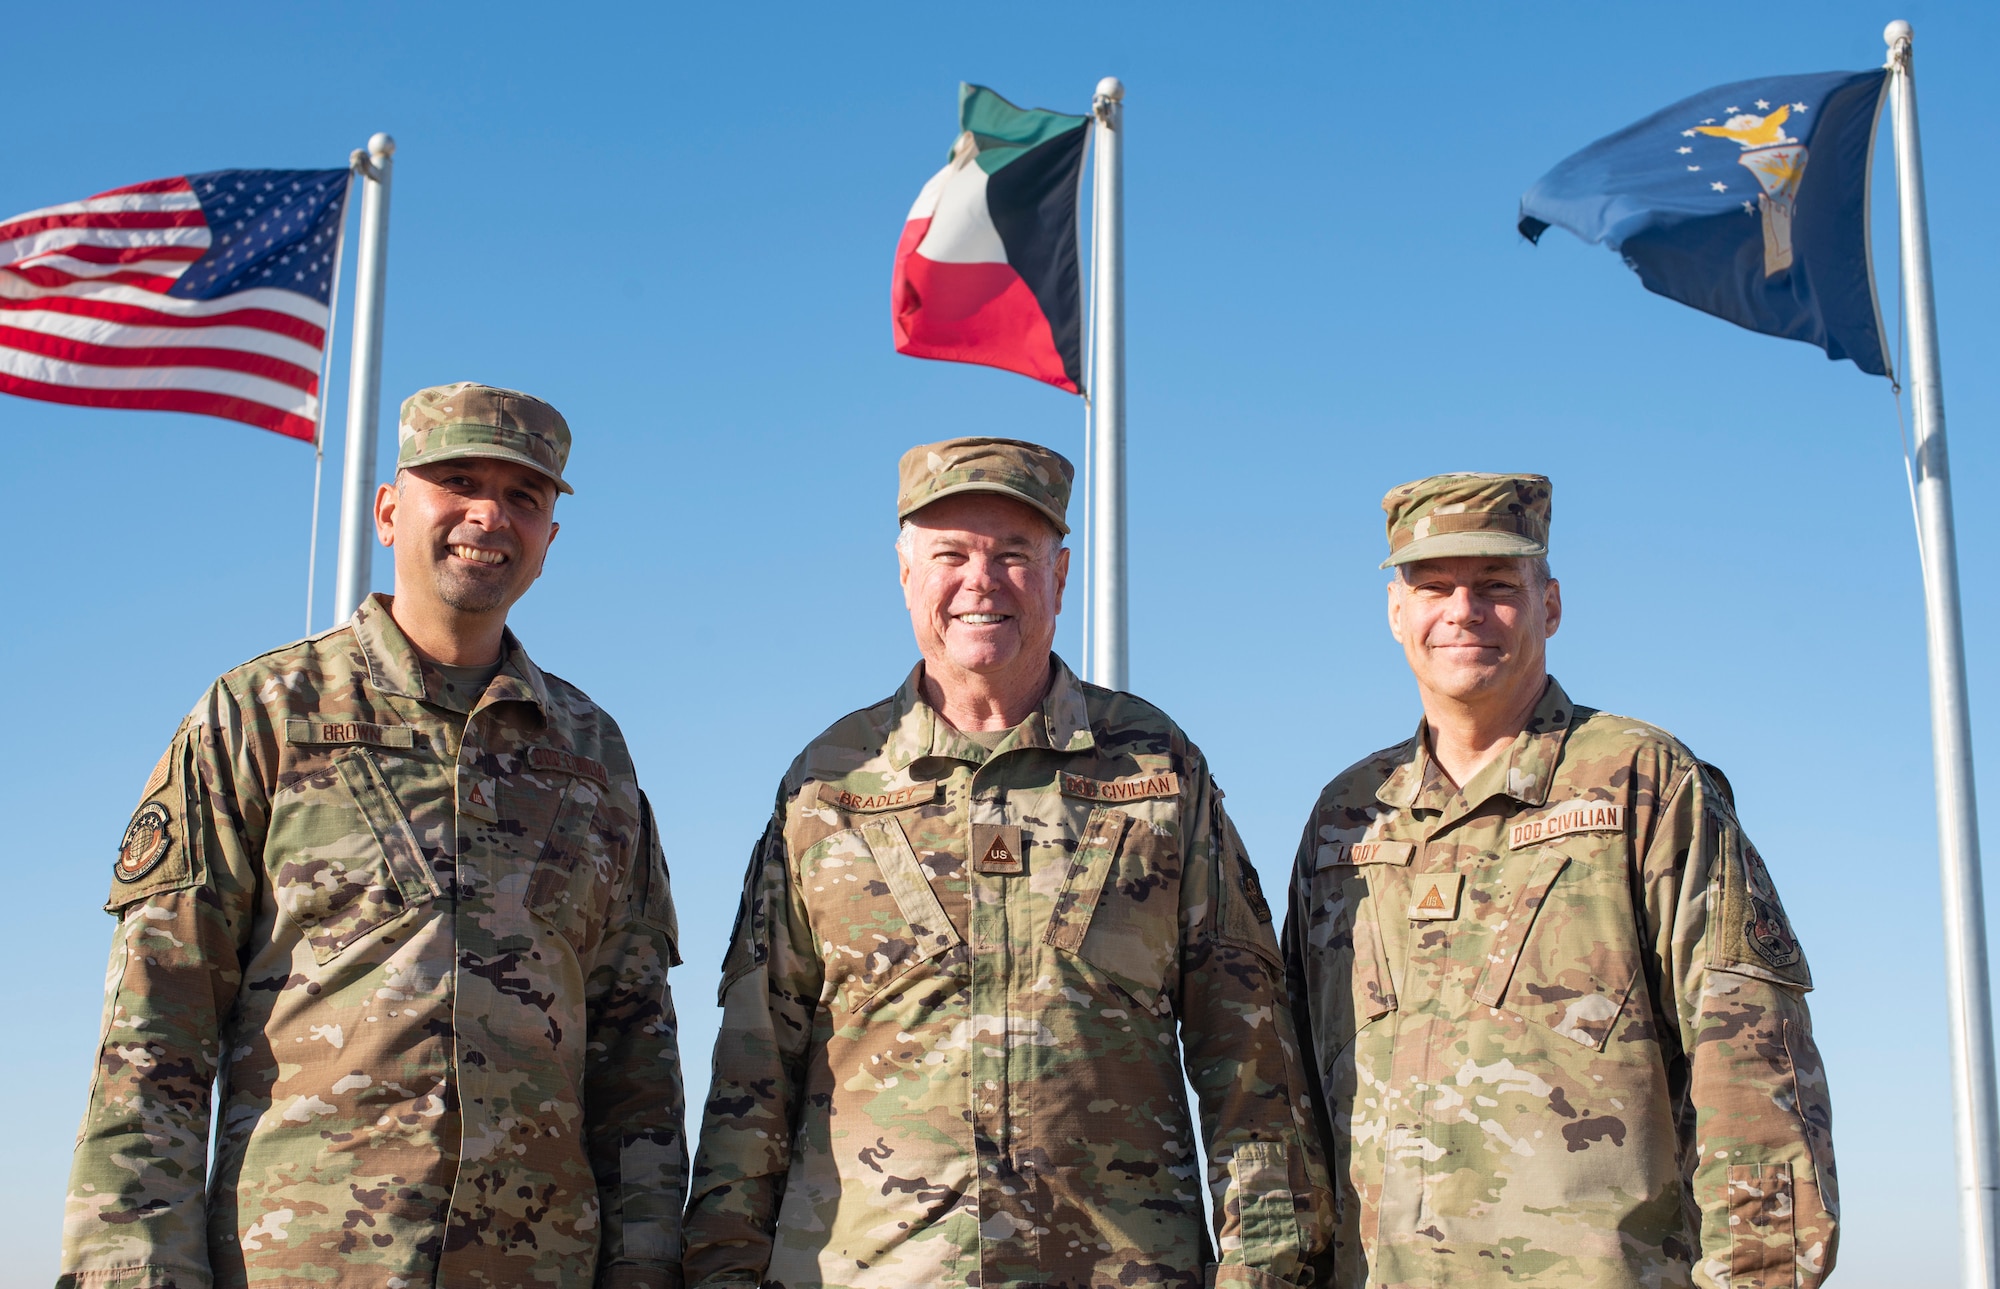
[(958, 1001), (1559, 1021), (423, 936)]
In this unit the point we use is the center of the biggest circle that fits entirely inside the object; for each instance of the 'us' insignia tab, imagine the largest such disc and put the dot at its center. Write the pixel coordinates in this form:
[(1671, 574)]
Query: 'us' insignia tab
[(999, 849), (1434, 896)]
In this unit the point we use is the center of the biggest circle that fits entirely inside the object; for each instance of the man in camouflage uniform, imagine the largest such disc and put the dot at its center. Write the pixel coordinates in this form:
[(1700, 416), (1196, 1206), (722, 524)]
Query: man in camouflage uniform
[(1555, 1008), (397, 887), (992, 920)]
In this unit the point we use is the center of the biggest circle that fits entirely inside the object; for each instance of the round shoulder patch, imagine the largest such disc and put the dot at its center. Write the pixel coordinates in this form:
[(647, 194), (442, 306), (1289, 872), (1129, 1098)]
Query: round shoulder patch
[(145, 845)]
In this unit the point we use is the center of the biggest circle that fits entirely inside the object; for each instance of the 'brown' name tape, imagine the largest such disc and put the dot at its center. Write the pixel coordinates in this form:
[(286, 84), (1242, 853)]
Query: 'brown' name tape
[(1573, 817), (917, 794), (554, 758), (346, 732), (1167, 784)]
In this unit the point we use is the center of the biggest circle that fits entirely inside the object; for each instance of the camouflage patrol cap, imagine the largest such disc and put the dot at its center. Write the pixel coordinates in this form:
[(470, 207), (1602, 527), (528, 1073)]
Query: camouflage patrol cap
[(1024, 471), (466, 419), (1468, 514)]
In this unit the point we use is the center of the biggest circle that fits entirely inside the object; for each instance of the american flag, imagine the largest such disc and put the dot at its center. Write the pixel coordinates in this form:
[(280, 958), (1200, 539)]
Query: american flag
[(201, 293)]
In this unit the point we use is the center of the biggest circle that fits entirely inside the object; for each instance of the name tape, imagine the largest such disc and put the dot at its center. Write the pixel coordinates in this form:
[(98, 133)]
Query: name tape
[(1166, 784), (348, 732), (554, 758), (1366, 852), (1574, 817), (917, 794)]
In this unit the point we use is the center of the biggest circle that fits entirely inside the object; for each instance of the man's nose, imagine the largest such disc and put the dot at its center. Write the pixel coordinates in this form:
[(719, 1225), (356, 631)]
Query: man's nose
[(1464, 606), (980, 573), (487, 512)]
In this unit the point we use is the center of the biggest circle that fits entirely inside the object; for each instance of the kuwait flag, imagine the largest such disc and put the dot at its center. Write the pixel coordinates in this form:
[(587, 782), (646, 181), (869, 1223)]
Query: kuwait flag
[(986, 271)]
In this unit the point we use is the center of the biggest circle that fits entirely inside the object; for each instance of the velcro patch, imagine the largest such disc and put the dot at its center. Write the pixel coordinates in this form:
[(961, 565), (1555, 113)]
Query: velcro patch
[(916, 794), (1434, 896), (554, 758), (1561, 821), (346, 732), (1336, 853), (1164, 784)]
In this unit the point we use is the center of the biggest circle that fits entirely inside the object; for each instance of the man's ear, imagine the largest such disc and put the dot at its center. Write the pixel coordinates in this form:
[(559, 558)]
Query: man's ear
[(1396, 610), (1552, 607), (385, 514), (1062, 576)]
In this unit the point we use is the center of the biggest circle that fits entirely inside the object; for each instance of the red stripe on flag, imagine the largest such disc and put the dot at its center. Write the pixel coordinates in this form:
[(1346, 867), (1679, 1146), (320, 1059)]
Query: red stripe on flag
[(55, 279), (178, 183), (283, 324), (972, 313), (94, 355), (126, 254), (226, 406), (104, 219)]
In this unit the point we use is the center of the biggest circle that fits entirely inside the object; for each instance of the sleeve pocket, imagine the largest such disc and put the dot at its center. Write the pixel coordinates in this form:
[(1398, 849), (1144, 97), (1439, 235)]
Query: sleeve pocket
[(1267, 1224), (1762, 1251)]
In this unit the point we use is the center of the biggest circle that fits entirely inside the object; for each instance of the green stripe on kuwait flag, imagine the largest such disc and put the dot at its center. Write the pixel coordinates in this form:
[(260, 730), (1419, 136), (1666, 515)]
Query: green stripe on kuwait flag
[(986, 269)]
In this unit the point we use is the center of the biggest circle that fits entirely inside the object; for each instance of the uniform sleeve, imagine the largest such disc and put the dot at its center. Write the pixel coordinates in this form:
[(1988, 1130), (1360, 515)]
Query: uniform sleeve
[(1273, 1210), (1292, 947), (1757, 1151), (769, 995), (635, 1123), (183, 887)]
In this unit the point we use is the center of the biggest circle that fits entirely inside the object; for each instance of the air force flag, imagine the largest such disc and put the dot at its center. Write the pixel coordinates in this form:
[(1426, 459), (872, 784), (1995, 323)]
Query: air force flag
[(1748, 201)]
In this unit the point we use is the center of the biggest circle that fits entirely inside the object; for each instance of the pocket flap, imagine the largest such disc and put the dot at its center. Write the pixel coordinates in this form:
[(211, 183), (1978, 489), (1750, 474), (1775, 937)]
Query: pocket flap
[(1513, 933)]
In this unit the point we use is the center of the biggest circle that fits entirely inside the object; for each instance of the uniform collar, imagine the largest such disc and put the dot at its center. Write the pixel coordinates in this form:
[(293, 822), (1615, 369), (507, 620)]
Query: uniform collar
[(1524, 772), (1060, 724), (395, 666)]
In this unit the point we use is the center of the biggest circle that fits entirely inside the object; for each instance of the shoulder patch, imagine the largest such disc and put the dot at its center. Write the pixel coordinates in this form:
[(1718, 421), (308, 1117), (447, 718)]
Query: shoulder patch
[(839, 798), (368, 733), (1754, 931), (146, 842), (1164, 784)]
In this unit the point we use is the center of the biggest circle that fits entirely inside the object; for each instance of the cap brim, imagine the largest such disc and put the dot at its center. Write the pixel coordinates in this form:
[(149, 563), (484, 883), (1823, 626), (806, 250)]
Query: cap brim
[(486, 452), (996, 488), (1460, 545)]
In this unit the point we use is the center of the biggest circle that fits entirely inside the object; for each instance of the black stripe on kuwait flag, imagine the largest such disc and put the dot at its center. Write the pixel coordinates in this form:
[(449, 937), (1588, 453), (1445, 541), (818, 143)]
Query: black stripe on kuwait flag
[(987, 267)]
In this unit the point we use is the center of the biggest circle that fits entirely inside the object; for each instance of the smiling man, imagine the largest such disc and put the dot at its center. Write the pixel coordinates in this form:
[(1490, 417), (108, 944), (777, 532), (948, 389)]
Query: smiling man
[(1554, 1008), (992, 922), (395, 891)]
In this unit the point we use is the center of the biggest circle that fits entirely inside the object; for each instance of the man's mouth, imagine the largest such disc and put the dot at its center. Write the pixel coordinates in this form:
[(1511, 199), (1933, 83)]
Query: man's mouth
[(477, 555), (980, 619)]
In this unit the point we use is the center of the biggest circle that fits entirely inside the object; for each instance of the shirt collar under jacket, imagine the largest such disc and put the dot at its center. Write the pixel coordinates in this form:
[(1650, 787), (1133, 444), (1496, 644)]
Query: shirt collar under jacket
[(1523, 773), (1061, 723), (395, 667)]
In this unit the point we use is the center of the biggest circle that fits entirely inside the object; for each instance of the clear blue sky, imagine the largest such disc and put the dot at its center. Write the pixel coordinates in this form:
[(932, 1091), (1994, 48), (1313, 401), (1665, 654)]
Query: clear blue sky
[(676, 224)]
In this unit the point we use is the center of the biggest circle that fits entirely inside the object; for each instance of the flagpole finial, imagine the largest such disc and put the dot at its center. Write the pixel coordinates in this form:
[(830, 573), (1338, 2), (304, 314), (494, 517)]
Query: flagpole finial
[(381, 145), (1897, 33), (1111, 88)]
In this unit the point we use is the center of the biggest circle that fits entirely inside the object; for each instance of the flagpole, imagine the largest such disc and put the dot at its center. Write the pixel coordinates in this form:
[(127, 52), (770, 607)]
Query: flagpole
[(1107, 654), (1967, 991), (364, 380), (325, 379)]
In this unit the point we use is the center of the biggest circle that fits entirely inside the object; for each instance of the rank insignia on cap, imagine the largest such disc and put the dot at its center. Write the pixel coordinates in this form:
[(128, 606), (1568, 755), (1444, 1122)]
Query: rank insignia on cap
[(999, 849), (1434, 896), (146, 843)]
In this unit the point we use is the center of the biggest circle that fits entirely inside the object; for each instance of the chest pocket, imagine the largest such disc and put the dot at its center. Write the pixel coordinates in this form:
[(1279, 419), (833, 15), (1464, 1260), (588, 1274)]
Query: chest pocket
[(1119, 906), (571, 881), (873, 913), (1565, 954), (352, 864), (1353, 984)]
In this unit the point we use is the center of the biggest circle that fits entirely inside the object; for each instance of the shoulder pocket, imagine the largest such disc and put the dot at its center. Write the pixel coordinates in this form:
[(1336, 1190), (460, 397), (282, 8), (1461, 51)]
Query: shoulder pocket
[(157, 850), (873, 913), (356, 865), (1119, 906), (1755, 937), (656, 900)]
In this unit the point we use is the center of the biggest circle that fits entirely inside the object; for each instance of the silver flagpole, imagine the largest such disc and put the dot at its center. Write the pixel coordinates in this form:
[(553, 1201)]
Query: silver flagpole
[(1967, 992), (1108, 655), (364, 380)]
